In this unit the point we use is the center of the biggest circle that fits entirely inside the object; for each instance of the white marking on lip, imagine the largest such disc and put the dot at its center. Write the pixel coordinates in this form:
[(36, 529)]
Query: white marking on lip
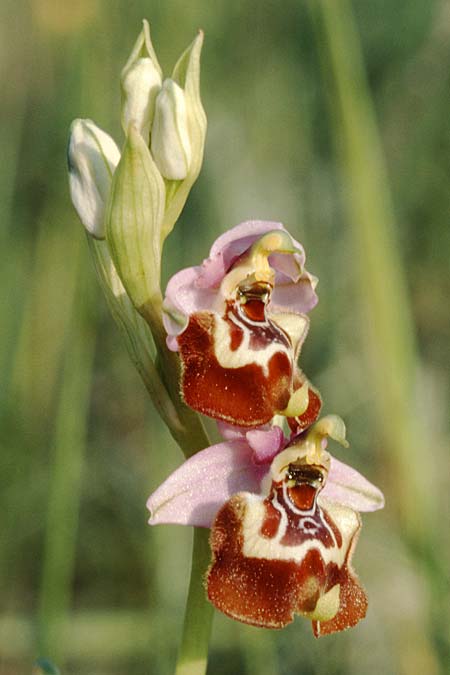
[(244, 354), (255, 545)]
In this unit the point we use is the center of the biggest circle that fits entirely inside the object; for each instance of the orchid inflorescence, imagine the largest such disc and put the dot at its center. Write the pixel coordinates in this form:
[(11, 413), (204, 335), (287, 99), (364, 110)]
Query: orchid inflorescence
[(283, 512)]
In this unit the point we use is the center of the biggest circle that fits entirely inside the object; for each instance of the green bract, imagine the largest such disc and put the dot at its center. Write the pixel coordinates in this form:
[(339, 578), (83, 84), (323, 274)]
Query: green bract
[(136, 211)]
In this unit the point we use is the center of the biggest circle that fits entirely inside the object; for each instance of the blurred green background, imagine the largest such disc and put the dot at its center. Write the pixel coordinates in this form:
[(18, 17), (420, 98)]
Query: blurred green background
[(332, 118)]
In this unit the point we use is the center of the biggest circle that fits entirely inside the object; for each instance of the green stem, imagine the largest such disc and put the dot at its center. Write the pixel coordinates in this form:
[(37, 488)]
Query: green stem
[(190, 434), (161, 376), (193, 654), (145, 338), (192, 437)]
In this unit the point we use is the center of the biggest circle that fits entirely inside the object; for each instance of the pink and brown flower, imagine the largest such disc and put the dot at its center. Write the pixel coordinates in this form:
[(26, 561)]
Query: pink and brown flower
[(239, 321), (284, 524)]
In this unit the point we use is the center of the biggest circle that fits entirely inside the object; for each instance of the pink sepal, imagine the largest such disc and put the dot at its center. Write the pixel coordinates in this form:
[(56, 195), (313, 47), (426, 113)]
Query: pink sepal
[(347, 486), (195, 491)]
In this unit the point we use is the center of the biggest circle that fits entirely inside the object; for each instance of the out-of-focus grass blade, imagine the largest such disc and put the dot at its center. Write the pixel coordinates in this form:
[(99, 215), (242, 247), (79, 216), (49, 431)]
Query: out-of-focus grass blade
[(45, 313), (389, 328), (45, 667), (66, 472), (260, 655)]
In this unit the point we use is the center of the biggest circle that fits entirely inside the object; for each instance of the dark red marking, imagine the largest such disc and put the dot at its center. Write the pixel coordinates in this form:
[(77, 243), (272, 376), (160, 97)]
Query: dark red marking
[(255, 310), (302, 496), (307, 525), (236, 336), (271, 522), (243, 396)]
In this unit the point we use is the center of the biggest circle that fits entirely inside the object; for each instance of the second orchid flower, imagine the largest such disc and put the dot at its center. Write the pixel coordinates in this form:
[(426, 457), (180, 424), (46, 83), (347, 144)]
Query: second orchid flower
[(284, 518)]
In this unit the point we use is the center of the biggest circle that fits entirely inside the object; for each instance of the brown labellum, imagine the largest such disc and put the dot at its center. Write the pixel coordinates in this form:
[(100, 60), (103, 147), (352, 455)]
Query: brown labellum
[(241, 367), (285, 554), (235, 370)]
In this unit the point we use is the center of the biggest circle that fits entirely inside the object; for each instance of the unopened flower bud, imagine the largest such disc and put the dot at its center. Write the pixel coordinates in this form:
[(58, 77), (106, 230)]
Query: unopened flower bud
[(170, 144), (92, 157), (140, 83), (136, 210)]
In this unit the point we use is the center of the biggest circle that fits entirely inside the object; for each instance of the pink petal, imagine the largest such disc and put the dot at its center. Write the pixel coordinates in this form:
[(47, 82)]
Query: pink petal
[(348, 487), (229, 247), (231, 432), (246, 232), (266, 443), (232, 244), (183, 298), (195, 491), (212, 271), (195, 289), (299, 296), (289, 267)]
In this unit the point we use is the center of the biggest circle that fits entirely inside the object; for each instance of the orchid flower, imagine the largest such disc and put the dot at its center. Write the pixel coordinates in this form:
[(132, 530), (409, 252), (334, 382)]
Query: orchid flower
[(284, 519), (239, 321)]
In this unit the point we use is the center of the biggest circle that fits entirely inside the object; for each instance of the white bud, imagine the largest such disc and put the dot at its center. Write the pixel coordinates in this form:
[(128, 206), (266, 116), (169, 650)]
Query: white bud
[(170, 142), (186, 74), (141, 82), (92, 157)]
